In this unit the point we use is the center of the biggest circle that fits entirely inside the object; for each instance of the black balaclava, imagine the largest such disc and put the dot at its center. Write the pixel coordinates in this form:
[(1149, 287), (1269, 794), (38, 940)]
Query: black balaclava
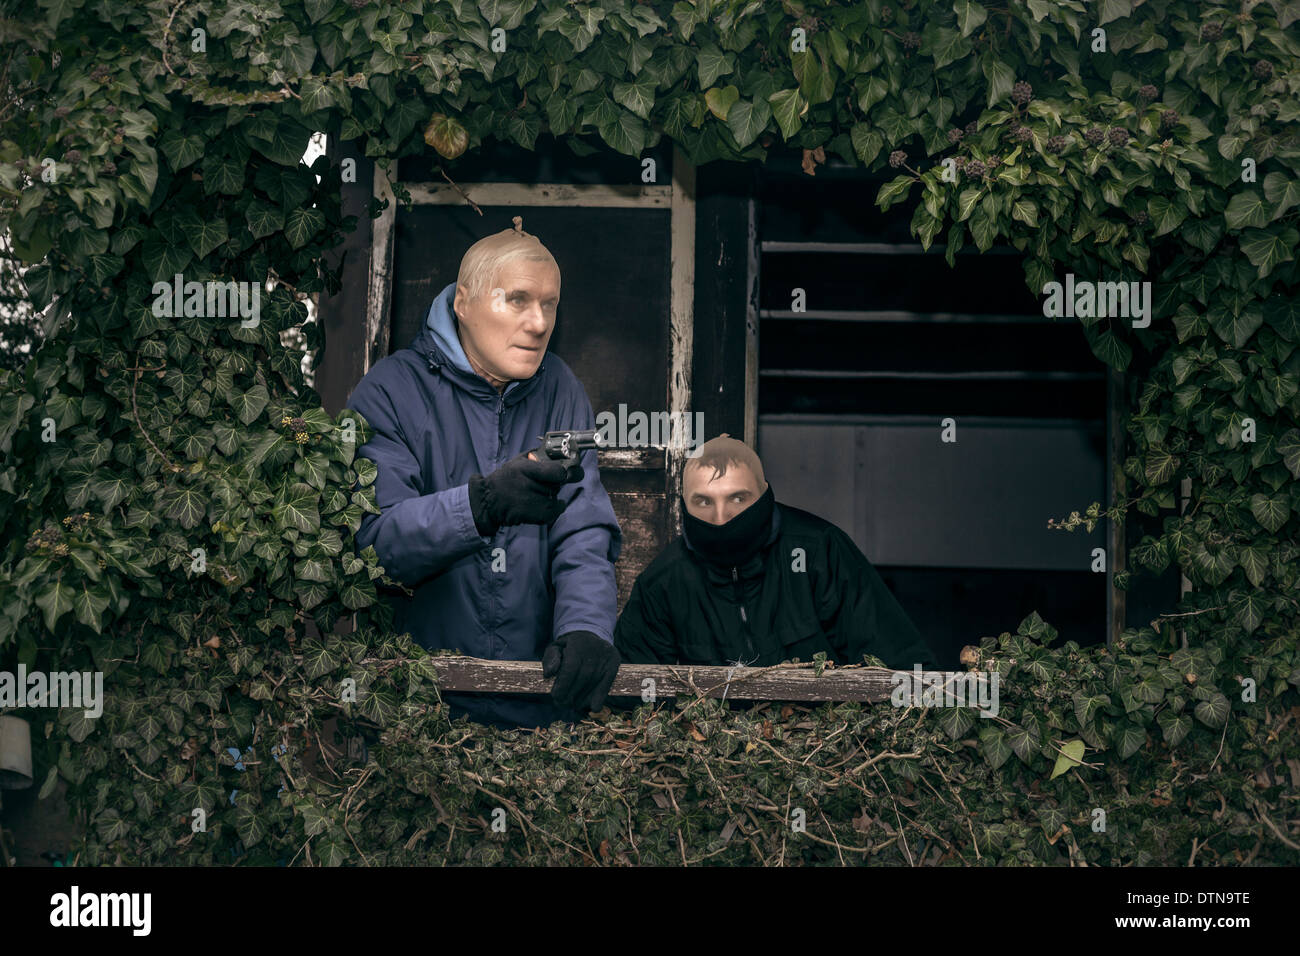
[(736, 541)]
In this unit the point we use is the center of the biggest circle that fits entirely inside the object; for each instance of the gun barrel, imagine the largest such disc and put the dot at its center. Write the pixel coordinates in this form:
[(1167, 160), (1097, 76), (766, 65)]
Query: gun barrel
[(570, 444)]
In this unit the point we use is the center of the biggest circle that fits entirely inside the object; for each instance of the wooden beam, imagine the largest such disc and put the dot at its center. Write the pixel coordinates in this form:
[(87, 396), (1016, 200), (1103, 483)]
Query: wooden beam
[(543, 194), (380, 297), (782, 682), (681, 336)]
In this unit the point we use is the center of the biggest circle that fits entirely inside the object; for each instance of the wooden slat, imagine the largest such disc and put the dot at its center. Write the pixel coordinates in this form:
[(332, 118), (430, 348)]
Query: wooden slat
[(681, 341), (633, 459), (782, 682), (380, 298), (542, 194)]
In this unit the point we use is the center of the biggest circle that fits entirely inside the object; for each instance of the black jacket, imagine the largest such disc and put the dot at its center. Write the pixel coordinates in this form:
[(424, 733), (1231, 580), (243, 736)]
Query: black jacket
[(809, 589)]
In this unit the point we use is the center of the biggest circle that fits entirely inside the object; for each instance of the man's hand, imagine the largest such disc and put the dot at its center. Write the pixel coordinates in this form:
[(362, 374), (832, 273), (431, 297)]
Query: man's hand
[(522, 491), (584, 668)]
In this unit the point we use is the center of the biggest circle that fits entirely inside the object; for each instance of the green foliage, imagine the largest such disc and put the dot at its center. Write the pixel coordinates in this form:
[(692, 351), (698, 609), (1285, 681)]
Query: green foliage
[(193, 432)]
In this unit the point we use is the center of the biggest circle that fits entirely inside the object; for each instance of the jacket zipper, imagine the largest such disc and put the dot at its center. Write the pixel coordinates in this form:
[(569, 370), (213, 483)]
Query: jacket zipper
[(740, 599)]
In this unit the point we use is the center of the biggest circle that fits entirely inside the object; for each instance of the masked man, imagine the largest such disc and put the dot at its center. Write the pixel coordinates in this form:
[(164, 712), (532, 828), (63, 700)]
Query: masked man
[(510, 555), (758, 583)]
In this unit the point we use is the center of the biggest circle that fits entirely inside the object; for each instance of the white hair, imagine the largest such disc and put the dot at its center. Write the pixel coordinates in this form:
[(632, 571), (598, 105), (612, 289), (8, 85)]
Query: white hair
[(482, 261)]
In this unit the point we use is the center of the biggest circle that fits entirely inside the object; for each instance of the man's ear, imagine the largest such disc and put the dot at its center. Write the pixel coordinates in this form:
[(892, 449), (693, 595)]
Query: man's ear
[(459, 301)]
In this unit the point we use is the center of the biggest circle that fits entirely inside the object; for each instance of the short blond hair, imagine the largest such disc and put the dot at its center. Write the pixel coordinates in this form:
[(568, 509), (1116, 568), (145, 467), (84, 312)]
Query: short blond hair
[(481, 262)]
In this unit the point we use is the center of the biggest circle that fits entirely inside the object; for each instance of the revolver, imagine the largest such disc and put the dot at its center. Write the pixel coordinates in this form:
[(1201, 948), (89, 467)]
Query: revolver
[(568, 446)]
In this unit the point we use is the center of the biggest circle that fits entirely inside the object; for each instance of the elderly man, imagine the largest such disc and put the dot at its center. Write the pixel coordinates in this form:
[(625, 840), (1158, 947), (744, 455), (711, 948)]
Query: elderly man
[(510, 555), (757, 583)]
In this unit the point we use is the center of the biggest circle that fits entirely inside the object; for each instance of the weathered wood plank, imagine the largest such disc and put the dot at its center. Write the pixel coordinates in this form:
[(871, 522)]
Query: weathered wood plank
[(782, 682)]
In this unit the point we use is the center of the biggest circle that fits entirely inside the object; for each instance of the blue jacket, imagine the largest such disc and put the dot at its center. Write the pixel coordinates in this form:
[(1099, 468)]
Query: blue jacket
[(436, 422)]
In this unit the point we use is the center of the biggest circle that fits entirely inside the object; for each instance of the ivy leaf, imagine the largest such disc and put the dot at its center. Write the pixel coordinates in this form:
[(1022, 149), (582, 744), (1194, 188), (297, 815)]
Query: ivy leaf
[(639, 96), (1249, 610), (1271, 513), (969, 16), (264, 219), (164, 259), (1000, 77), (1130, 740), (893, 190), (1267, 250), (1114, 10), (187, 507), (222, 174), (249, 405), (1175, 726), (1071, 756), (955, 721), (1282, 193), (1026, 211), (747, 119), (301, 225), (204, 235), (55, 599), (1086, 707), (626, 134), (712, 63), (993, 744), (1024, 740), (89, 604), (1236, 326), (1288, 446), (1254, 561), (945, 45), (1214, 712), (1246, 208), (181, 149), (356, 595), (318, 659), (867, 142), (720, 101), (299, 508)]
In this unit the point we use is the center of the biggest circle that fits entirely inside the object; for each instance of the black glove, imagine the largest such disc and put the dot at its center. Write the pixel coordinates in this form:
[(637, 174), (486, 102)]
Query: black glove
[(522, 491), (586, 667)]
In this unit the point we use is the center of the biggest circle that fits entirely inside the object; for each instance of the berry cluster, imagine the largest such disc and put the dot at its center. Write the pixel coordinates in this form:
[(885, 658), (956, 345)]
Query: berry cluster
[(1212, 31), (911, 40), (299, 426), (1148, 93), (1095, 135), (1055, 144), (47, 539), (1118, 136), (1263, 69), (955, 135), (1169, 119), (1021, 92), (897, 158), (976, 169), (76, 522)]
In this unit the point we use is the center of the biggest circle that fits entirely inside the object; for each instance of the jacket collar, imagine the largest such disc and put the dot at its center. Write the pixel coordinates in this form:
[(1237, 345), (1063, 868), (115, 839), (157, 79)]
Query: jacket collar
[(440, 346), (753, 568)]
